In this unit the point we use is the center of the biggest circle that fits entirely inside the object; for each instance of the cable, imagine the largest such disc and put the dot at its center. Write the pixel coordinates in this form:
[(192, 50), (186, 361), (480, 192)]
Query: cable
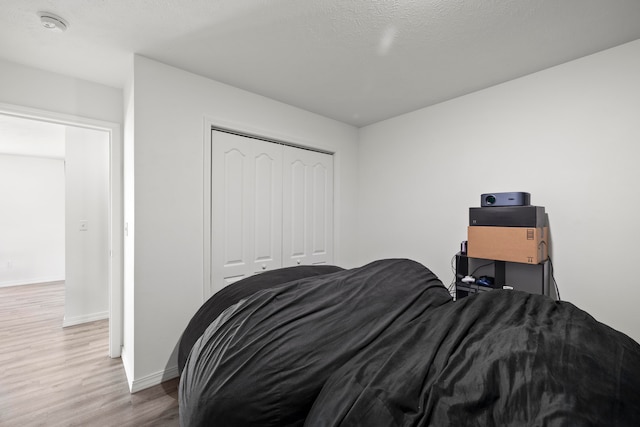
[(482, 266), (452, 285), (553, 277)]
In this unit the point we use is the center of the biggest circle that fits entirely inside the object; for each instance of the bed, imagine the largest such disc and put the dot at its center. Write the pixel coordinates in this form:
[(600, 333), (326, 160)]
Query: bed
[(385, 345)]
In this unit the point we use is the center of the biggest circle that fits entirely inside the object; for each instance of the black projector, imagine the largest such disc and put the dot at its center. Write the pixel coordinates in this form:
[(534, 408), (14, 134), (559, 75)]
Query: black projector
[(515, 198), (508, 216)]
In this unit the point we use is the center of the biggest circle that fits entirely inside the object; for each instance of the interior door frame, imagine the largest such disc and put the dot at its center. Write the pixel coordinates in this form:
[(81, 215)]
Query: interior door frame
[(210, 124), (115, 215)]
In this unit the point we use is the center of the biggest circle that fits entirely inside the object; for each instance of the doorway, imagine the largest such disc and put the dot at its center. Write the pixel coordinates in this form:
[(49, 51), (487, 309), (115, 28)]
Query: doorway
[(111, 210)]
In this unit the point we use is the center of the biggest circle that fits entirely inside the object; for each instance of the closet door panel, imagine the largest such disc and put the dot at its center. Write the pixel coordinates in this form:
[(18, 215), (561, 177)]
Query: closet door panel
[(294, 220), (246, 208), (268, 207), (320, 209), (231, 226), (307, 207), (235, 212)]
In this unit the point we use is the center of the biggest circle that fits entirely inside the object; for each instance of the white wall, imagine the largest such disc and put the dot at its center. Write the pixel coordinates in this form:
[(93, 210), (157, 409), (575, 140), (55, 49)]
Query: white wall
[(170, 109), (43, 90), (87, 247), (569, 135), (31, 220)]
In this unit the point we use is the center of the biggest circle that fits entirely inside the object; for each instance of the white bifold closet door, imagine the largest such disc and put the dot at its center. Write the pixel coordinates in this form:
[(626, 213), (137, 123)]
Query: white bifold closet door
[(307, 182), (271, 207)]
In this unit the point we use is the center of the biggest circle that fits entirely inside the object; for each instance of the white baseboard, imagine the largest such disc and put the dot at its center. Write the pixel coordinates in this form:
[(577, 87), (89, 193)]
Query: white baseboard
[(76, 320), (127, 364), (34, 281), (136, 385), (153, 379)]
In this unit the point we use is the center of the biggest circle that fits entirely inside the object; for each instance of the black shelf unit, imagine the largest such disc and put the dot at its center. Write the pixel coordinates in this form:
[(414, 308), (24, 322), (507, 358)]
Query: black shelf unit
[(533, 278)]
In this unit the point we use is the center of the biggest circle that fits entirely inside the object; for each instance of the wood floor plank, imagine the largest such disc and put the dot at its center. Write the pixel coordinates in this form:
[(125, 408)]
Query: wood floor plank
[(55, 376)]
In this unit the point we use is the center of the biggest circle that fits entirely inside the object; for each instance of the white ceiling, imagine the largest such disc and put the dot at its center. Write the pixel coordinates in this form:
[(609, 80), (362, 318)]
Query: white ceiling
[(357, 61)]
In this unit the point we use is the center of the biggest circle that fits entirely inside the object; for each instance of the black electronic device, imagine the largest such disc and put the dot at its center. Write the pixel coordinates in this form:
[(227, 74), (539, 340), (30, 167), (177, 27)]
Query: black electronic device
[(533, 278), (485, 281), (508, 216), (515, 198)]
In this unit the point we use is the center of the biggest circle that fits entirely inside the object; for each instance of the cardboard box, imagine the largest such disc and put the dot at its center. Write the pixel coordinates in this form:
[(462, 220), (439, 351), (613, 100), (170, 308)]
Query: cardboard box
[(527, 245)]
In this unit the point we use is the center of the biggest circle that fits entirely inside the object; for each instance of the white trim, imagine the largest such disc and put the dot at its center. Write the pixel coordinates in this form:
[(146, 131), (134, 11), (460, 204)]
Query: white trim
[(35, 281), (115, 205), (154, 379), (262, 133), (77, 320), (206, 222), (57, 118)]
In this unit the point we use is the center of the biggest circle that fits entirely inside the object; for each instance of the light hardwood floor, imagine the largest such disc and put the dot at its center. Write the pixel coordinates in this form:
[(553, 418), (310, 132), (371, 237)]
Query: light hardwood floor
[(54, 376)]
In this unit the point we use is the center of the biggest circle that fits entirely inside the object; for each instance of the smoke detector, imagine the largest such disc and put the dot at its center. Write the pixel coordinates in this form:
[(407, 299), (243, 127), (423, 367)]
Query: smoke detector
[(52, 22)]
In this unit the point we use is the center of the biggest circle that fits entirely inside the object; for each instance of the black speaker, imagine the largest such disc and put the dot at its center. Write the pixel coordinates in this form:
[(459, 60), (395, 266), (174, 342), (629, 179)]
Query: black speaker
[(508, 216)]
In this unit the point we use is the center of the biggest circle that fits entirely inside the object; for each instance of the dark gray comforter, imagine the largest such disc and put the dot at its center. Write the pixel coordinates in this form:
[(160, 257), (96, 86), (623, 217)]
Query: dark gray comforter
[(384, 345)]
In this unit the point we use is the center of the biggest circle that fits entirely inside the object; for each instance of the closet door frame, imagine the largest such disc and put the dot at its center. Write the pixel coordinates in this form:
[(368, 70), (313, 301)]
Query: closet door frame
[(212, 124)]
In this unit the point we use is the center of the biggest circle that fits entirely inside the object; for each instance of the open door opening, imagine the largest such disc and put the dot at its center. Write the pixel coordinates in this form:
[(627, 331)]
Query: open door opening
[(92, 215)]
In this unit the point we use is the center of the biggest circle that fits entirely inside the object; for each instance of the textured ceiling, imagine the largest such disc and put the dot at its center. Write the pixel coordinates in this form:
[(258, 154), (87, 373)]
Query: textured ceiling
[(357, 61)]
